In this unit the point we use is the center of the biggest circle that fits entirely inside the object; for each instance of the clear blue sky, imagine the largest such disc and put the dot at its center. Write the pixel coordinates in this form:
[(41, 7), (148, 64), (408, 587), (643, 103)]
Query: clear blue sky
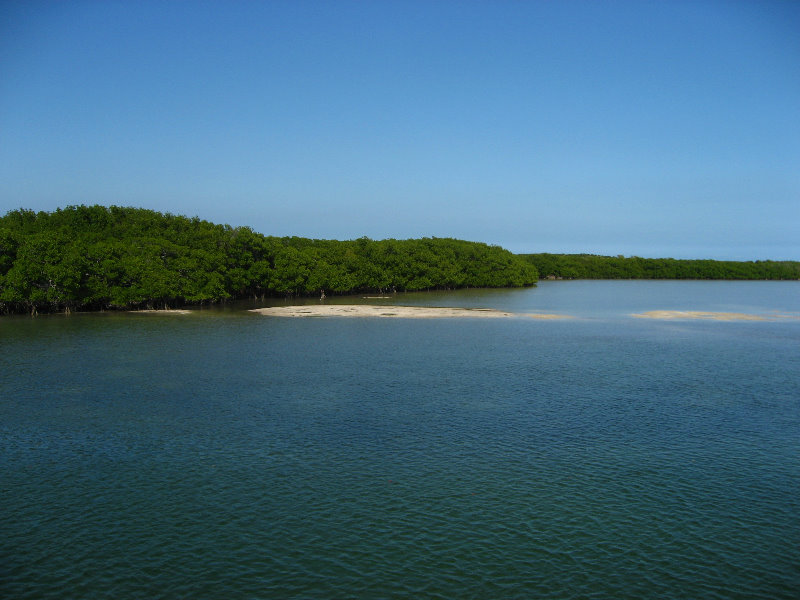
[(640, 128)]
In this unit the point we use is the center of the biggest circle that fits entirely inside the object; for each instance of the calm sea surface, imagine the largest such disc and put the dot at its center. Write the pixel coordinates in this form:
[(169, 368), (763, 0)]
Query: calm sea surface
[(226, 455)]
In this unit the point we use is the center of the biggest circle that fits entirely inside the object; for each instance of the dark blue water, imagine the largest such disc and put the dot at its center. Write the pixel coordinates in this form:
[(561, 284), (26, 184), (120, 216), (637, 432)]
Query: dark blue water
[(229, 455)]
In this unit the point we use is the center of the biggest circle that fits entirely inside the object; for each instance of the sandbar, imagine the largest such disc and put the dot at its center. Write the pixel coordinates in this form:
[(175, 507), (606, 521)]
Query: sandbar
[(160, 311), (397, 312), (697, 314)]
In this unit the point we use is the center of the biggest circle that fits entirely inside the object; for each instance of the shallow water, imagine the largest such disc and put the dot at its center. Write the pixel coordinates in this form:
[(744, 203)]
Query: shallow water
[(228, 455)]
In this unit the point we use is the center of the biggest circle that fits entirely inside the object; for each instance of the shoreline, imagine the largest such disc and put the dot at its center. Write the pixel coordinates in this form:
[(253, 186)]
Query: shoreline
[(437, 312), (396, 312)]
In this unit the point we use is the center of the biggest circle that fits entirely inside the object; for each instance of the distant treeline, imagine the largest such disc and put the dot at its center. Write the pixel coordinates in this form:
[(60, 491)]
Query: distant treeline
[(96, 257), (590, 266)]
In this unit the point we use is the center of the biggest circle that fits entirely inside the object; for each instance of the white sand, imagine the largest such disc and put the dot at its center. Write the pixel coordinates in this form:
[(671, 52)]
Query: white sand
[(158, 311), (388, 311)]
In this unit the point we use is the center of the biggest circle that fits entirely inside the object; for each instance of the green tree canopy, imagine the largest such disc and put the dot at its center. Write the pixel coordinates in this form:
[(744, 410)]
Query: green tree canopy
[(96, 257), (590, 266)]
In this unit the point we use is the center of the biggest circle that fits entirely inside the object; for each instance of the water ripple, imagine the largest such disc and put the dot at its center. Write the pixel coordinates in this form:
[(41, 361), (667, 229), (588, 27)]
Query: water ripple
[(549, 461)]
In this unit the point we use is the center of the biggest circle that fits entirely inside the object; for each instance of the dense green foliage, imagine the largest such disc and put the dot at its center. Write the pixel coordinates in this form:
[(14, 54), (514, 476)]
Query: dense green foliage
[(93, 257), (590, 266)]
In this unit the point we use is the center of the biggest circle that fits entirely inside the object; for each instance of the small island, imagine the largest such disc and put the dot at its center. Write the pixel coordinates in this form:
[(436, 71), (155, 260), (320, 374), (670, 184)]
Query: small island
[(101, 258)]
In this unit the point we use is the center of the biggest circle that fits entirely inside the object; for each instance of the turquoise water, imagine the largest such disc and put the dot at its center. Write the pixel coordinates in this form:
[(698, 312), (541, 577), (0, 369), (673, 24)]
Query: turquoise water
[(229, 455)]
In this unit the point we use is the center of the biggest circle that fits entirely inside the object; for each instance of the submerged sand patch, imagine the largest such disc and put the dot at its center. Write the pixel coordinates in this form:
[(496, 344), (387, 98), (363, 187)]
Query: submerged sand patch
[(698, 314), (397, 312)]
